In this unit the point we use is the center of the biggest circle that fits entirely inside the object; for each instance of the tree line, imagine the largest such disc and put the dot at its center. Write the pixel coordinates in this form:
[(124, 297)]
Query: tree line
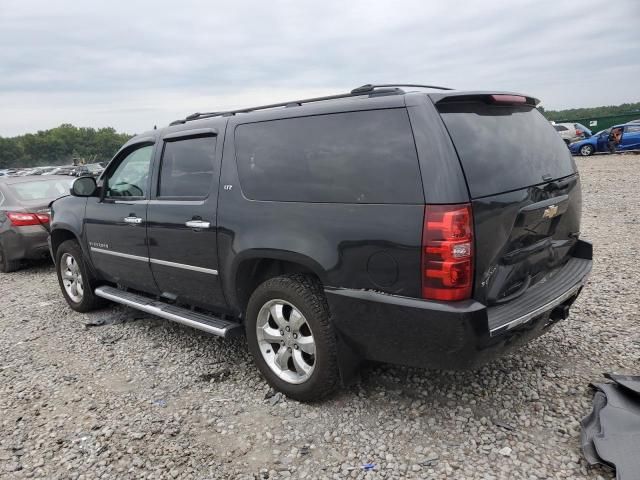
[(604, 111), (60, 146)]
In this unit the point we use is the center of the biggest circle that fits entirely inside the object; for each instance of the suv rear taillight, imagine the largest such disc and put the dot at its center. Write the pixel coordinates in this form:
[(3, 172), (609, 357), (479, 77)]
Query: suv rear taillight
[(447, 252), (19, 219)]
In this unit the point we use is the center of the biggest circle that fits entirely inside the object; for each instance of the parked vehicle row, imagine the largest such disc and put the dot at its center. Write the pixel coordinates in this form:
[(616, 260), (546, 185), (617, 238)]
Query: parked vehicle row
[(94, 169), (619, 138), (379, 224)]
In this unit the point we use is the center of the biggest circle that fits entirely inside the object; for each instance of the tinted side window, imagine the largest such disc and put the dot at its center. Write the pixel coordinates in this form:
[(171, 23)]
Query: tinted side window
[(355, 157), (560, 128), (187, 167)]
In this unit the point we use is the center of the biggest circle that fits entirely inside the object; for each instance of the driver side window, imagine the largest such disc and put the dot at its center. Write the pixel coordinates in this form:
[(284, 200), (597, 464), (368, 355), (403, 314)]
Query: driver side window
[(130, 177)]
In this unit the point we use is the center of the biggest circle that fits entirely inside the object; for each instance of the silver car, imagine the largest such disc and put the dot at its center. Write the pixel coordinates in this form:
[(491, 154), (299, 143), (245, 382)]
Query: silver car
[(24, 216), (572, 132)]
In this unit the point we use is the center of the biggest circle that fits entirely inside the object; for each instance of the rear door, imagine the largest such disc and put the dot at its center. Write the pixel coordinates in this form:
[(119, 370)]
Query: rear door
[(182, 234), (115, 225), (524, 187)]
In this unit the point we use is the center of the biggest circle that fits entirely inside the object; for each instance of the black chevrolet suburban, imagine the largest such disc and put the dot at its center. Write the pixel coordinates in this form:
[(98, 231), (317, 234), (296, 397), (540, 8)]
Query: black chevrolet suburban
[(395, 223)]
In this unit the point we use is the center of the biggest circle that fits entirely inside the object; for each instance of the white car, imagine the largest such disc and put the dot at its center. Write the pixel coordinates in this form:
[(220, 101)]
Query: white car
[(572, 132)]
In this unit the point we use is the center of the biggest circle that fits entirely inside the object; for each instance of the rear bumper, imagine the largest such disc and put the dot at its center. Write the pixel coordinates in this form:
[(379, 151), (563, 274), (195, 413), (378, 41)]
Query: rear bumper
[(29, 242), (388, 328)]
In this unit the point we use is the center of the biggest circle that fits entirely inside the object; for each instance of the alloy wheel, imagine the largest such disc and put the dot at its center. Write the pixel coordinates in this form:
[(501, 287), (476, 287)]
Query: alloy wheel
[(286, 341), (71, 277)]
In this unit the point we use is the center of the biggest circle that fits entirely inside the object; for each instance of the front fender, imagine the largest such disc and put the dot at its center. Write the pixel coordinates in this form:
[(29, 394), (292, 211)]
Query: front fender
[(67, 215)]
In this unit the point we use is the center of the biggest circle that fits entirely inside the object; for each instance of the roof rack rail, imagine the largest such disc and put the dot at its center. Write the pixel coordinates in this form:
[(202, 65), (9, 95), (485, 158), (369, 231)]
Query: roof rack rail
[(371, 90)]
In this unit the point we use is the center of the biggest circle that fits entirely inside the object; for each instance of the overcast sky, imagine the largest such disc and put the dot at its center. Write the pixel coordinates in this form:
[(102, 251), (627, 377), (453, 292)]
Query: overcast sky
[(135, 64)]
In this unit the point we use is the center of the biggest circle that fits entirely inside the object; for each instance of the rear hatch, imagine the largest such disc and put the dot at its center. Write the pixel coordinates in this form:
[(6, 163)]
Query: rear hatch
[(524, 189)]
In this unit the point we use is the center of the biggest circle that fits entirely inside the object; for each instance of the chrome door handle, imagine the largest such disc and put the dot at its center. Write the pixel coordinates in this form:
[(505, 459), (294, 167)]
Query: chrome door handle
[(132, 220), (197, 224)]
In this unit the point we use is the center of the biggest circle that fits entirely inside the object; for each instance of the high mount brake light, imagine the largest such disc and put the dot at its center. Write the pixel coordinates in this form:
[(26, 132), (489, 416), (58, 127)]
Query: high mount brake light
[(447, 252), (509, 99), (19, 219)]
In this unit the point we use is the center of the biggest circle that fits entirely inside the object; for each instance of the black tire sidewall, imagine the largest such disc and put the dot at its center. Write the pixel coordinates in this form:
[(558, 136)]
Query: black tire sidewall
[(324, 376)]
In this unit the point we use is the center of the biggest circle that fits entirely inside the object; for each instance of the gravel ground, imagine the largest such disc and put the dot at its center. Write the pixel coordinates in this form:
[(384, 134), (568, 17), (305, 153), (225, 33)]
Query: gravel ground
[(118, 394)]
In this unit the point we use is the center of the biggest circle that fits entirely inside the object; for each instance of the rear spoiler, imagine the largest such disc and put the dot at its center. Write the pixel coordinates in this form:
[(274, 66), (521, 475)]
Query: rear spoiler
[(498, 98)]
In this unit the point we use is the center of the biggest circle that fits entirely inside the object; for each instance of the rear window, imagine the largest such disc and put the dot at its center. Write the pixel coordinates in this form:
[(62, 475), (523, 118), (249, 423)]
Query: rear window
[(41, 190), (354, 157), (560, 128), (505, 148)]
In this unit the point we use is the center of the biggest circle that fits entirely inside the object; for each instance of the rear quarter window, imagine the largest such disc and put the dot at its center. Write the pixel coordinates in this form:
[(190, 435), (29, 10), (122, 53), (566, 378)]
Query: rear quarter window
[(354, 157), (504, 148)]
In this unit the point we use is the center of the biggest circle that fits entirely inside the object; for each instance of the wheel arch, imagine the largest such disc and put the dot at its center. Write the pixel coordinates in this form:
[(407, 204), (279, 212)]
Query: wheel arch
[(60, 235), (64, 232), (256, 266)]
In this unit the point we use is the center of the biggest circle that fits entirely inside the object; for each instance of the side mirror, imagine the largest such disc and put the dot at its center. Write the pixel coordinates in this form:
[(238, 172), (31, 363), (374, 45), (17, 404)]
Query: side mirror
[(84, 187)]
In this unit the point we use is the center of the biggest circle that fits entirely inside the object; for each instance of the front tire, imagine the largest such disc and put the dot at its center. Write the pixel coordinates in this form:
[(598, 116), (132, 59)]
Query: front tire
[(291, 339), (586, 150), (75, 279)]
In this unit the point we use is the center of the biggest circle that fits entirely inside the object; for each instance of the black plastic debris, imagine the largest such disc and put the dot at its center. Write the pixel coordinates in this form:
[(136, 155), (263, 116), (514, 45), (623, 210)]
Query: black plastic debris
[(611, 432), (591, 428), (632, 382)]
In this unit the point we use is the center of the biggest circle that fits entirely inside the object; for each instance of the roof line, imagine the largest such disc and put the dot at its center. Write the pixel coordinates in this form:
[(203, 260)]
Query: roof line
[(368, 89)]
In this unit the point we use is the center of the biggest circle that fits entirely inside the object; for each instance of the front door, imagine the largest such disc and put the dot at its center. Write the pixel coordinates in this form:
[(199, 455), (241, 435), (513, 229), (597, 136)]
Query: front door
[(630, 138), (115, 223), (182, 220), (602, 142)]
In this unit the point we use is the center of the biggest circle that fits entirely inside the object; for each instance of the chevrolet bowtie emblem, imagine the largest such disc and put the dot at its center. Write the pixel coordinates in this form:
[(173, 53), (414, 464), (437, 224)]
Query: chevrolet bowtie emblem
[(550, 212)]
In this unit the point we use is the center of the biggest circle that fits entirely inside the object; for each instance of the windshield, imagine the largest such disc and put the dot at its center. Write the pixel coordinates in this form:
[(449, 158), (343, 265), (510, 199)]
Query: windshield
[(41, 190), (505, 148)]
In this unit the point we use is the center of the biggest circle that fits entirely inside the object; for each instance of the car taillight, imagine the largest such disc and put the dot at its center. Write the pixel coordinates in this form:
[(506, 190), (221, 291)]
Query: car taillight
[(579, 132), (447, 252), (19, 219)]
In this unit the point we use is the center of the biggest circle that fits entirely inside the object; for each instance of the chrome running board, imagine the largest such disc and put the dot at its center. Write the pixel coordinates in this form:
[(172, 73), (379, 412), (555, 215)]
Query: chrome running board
[(206, 323)]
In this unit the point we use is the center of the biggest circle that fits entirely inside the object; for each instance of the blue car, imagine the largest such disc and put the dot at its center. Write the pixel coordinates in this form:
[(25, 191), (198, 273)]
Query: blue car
[(599, 143)]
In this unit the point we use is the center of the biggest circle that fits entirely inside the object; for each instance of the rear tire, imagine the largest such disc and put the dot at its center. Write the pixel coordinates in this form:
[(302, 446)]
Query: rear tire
[(586, 150), (75, 279), (7, 265), (291, 338)]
